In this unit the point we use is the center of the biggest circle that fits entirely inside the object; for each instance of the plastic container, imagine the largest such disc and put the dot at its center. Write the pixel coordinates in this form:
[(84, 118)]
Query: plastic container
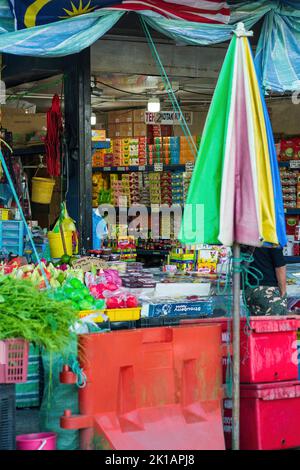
[(114, 315), (56, 244), (42, 190), (298, 353), (13, 361), (39, 441), (226, 325), (7, 417), (269, 349), (4, 214), (163, 390), (12, 236), (270, 416)]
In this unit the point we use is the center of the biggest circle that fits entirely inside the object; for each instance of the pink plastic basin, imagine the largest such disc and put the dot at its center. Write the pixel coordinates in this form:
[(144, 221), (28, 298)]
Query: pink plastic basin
[(39, 441)]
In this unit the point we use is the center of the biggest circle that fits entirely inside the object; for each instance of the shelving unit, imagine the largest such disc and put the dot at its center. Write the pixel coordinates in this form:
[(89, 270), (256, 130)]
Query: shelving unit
[(130, 169), (292, 211), (292, 164), (292, 259), (30, 150)]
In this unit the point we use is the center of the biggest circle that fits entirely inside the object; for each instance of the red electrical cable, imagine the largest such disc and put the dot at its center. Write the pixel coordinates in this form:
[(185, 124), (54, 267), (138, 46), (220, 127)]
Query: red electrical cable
[(52, 139)]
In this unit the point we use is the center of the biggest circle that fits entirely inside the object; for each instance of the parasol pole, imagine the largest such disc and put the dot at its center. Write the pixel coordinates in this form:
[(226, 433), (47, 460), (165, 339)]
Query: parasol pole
[(236, 348), (240, 32)]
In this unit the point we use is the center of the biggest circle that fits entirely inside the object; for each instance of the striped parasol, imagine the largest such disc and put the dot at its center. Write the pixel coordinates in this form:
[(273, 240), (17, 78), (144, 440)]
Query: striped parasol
[(235, 195), (236, 182)]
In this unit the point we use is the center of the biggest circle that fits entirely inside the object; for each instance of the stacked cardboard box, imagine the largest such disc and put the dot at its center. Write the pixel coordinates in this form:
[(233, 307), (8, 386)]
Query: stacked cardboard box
[(127, 123)]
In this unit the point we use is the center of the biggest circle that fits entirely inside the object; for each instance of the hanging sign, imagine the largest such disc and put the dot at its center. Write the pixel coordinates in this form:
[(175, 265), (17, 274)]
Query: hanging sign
[(168, 118)]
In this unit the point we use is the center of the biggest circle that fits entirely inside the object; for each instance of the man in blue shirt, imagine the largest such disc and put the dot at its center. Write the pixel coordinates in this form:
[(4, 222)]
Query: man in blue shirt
[(269, 297)]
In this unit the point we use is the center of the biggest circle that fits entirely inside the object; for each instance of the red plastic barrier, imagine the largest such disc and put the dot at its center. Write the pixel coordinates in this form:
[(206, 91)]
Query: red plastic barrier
[(156, 388), (226, 328), (270, 416)]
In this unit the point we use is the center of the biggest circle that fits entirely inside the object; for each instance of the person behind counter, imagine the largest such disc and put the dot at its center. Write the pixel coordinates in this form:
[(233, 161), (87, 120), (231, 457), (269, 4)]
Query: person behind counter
[(270, 297)]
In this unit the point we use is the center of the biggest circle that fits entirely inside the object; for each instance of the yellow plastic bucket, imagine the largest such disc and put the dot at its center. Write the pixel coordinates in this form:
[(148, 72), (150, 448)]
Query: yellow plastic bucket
[(56, 244), (4, 214), (42, 189)]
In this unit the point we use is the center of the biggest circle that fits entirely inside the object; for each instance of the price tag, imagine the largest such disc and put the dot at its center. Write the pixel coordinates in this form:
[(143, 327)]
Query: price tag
[(295, 164), (158, 166), (106, 168), (85, 263), (142, 168), (120, 168), (189, 167)]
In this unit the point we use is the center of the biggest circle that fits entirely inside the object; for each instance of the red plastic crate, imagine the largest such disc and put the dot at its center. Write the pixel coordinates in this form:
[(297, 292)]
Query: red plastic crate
[(269, 349), (270, 416), (13, 361)]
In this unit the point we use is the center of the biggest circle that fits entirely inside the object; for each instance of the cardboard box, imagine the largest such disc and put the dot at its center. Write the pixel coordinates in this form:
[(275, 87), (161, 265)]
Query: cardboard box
[(139, 116), (98, 135), (124, 130), (140, 130), (24, 126), (111, 131), (120, 117)]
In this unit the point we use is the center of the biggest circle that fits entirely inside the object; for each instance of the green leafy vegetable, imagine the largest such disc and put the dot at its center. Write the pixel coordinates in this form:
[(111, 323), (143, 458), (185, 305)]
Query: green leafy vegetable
[(34, 315)]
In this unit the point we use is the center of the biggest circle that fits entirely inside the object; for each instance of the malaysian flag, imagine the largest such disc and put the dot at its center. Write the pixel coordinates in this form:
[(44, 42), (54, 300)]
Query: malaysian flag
[(29, 13)]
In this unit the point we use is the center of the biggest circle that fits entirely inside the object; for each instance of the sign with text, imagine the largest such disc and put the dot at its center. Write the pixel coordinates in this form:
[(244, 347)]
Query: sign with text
[(168, 118), (295, 164), (85, 263), (158, 166)]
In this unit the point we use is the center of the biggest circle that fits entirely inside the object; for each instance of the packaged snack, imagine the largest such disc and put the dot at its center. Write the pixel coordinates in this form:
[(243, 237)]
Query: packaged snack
[(287, 149)]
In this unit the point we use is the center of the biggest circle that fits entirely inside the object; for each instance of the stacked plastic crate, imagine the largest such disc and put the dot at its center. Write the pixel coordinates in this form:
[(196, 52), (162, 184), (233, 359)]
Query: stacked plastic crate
[(13, 369), (270, 389), (12, 237)]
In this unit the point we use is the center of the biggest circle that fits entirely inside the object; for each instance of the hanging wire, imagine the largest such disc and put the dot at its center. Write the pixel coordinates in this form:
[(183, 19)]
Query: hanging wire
[(169, 89)]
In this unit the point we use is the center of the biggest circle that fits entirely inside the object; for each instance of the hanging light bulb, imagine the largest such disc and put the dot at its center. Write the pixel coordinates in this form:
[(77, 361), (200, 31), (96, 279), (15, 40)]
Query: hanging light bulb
[(154, 105), (93, 119)]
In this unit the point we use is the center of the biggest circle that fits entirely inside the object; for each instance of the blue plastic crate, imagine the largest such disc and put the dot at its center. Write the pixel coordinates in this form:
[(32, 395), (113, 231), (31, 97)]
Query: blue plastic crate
[(12, 236)]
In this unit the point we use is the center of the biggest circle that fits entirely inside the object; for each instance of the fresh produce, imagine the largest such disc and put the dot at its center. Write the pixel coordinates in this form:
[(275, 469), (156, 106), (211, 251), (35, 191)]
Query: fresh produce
[(120, 299), (55, 275), (75, 291), (26, 312)]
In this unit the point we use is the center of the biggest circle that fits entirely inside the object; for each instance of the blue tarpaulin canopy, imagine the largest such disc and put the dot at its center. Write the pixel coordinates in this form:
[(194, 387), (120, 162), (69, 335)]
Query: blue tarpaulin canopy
[(277, 55)]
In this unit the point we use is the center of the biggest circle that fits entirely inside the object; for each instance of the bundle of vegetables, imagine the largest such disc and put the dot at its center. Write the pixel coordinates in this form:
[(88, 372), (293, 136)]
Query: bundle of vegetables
[(28, 313)]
